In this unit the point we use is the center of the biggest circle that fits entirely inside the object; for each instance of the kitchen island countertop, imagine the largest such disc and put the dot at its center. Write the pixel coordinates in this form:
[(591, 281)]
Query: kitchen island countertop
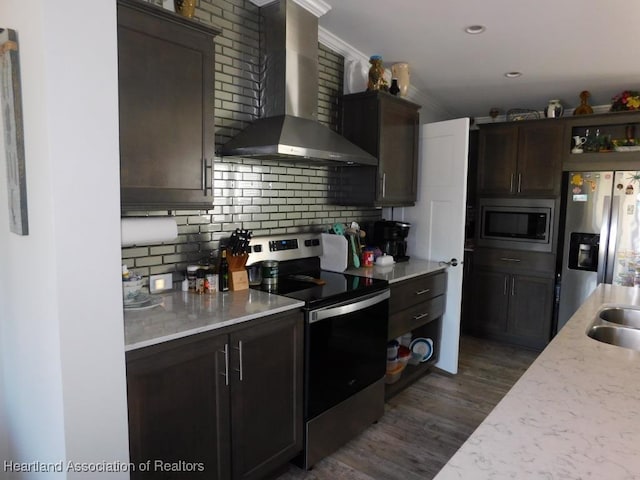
[(399, 271), (180, 314), (575, 413)]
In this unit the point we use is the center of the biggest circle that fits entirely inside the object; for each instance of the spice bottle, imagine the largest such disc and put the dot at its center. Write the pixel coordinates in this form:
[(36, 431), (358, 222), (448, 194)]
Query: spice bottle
[(192, 272), (200, 279)]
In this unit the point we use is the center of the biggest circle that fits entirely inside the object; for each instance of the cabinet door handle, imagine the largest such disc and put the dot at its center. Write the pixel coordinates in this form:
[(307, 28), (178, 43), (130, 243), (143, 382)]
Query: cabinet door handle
[(511, 183), (506, 285), (226, 364), (519, 181), (422, 292), (239, 348), (508, 259), (513, 286), (384, 184), (207, 176), (422, 315), (204, 175)]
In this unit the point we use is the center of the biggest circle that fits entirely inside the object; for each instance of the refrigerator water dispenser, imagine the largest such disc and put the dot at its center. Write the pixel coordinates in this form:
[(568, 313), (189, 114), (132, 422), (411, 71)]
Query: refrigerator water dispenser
[(583, 251)]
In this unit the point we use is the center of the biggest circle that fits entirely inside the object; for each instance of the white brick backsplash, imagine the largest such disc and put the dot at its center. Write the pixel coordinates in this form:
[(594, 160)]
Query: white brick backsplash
[(162, 250), (199, 219)]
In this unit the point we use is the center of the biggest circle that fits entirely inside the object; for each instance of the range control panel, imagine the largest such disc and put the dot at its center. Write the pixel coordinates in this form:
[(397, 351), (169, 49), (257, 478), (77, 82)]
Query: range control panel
[(284, 247)]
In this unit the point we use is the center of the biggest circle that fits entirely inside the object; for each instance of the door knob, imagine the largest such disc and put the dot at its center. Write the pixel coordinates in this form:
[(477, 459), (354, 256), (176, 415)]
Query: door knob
[(452, 263)]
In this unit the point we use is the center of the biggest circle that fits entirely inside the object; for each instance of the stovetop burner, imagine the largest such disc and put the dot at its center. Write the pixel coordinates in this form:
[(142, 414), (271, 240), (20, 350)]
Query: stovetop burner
[(338, 287), (298, 254)]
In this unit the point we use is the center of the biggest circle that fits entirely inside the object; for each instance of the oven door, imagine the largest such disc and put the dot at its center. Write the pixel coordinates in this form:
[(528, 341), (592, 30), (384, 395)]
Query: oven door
[(345, 350)]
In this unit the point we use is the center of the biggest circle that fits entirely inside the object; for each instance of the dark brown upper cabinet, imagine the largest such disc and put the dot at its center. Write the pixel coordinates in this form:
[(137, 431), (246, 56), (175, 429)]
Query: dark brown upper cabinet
[(385, 126), (521, 159), (166, 103)]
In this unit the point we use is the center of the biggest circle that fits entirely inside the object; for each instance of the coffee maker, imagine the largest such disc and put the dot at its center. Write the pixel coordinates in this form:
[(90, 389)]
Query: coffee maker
[(390, 236)]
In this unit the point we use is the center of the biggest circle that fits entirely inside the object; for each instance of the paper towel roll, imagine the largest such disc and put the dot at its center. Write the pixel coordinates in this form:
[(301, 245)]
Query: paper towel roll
[(147, 230)]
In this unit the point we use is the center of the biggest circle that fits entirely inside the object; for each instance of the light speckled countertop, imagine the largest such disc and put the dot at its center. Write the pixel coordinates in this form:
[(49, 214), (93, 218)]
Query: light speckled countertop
[(180, 314), (186, 313), (399, 271), (574, 414)]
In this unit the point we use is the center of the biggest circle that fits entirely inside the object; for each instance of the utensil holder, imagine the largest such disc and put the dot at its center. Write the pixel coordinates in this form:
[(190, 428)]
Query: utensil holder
[(238, 278)]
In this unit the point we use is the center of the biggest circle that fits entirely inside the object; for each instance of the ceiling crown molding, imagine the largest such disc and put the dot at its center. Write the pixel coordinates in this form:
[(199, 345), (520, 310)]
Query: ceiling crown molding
[(352, 54), (338, 45), (317, 7)]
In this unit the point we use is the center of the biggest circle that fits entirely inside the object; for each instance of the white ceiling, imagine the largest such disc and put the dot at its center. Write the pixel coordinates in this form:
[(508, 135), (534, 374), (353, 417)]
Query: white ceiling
[(561, 46)]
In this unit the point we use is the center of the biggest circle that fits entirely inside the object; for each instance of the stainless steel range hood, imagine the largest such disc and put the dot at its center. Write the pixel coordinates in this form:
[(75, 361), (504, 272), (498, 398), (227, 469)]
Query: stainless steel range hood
[(288, 128)]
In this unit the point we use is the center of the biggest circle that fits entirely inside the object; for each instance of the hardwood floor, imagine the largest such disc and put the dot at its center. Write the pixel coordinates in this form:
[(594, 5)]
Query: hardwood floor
[(425, 424)]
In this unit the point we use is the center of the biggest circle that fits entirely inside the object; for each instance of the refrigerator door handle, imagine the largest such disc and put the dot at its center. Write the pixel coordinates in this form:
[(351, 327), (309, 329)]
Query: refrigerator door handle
[(613, 240), (604, 239)]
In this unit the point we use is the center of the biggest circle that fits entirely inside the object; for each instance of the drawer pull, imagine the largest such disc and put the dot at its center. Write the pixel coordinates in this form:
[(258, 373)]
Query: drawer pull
[(507, 259), (422, 315), (422, 292)]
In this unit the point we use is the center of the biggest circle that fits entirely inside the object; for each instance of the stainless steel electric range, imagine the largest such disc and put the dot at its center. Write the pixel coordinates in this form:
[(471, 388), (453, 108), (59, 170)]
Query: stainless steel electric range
[(346, 322)]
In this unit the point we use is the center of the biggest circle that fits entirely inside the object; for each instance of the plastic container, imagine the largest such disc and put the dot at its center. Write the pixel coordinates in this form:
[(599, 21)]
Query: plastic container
[(404, 355), (405, 339), (392, 350), (392, 376), (384, 260)]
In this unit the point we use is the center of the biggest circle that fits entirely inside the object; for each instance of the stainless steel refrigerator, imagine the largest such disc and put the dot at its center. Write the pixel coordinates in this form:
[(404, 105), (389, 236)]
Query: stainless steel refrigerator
[(601, 235)]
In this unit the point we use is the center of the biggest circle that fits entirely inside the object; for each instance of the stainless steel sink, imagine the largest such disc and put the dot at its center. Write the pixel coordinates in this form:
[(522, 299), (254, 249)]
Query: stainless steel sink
[(617, 325), (628, 317), (616, 335)]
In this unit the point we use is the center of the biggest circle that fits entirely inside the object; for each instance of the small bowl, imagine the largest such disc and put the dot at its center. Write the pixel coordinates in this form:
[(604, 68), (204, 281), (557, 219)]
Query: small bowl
[(131, 289)]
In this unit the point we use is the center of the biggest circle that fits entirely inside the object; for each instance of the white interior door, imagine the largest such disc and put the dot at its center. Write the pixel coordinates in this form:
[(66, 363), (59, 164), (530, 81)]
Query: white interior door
[(438, 218)]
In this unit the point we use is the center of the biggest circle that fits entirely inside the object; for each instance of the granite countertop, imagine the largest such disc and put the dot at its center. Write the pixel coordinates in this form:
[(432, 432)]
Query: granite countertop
[(574, 414), (180, 314), (399, 271)]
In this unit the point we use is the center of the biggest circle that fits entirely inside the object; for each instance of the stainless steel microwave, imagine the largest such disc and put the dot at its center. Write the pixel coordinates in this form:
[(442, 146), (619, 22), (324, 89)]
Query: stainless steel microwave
[(518, 223)]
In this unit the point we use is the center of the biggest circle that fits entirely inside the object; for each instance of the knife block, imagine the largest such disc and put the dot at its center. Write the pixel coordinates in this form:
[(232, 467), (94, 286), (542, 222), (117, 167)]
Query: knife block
[(238, 278)]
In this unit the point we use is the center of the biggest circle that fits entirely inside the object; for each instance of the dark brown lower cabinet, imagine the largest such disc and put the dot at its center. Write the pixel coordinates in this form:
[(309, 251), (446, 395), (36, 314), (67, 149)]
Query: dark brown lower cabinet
[(218, 405), (416, 306), (513, 307)]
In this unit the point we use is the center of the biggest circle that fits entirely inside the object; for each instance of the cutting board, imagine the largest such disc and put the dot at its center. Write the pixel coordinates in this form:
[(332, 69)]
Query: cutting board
[(334, 252)]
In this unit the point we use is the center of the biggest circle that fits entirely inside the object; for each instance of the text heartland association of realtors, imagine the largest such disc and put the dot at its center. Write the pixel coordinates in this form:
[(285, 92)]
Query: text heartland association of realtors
[(103, 467)]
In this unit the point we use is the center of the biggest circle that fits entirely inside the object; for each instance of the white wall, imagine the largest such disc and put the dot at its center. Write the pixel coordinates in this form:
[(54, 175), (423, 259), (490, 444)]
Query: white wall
[(62, 327)]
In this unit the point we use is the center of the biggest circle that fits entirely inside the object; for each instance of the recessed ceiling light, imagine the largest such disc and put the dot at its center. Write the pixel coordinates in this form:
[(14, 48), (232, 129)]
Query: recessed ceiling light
[(513, 74), (475, 29)]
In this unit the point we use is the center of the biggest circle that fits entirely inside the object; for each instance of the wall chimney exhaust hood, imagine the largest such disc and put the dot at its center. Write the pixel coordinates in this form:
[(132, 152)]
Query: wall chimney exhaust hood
[(288, 128)]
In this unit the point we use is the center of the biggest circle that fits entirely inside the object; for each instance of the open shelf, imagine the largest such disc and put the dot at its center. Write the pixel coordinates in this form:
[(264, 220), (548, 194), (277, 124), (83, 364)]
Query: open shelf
[(611, 124), (412, 373)]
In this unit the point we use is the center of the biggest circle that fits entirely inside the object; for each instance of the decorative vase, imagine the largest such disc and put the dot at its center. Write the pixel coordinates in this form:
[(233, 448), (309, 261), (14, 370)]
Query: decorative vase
[(394, 88), (186, 8), (376, 74), (584, 108), (554, 109), (401, 72)]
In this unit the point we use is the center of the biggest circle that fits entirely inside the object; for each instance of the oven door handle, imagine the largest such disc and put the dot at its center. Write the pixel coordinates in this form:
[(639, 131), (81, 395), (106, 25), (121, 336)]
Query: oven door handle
[(367, 302)]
